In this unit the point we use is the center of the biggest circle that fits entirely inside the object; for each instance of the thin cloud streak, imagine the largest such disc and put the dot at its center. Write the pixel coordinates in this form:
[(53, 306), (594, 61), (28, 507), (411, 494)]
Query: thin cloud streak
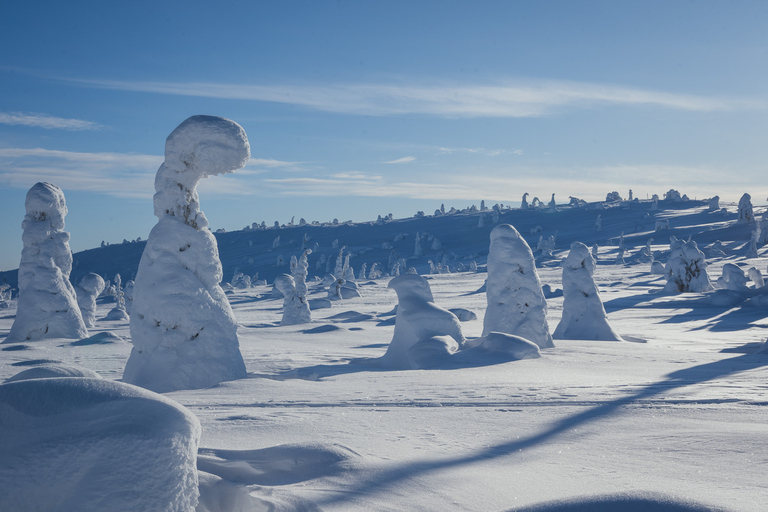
[(404, 160), (516, 99), (46, 121)]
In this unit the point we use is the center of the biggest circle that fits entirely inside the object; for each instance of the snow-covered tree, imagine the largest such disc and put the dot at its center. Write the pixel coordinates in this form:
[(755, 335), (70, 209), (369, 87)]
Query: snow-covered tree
[(362, 274), (733, 278), (584, 316), (756, 277), (599, 222), (613, 196), (516, 303), (746, 213), (524, 202), (182, 327), (118, 312), (294, 288), (47, 306), (714, 204), (417, 250), (552, 204), (418, 321), (686, 270), (90, 286), (621, 250)]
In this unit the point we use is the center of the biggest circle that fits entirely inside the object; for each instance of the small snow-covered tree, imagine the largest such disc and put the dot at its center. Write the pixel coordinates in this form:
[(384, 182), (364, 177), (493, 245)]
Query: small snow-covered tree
[(599, 223), (417, 250), (733, 278), (276, 242), (746, 213), (552, 204), (183, 331), (584, 316), (47, 306), (613, 196), (686, 270), (756, 277), (294, 289), (90, 286), (622, 249), (524, 202), (516, 303), (362, 274), (673, 195), (630, 195), (118, 312), (714, 204)]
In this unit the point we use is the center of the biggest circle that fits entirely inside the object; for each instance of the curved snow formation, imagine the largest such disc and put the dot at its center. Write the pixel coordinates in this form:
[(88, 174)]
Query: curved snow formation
[(93, 445), (47, 302), (182, 327), (51, 371), (584, 316), (516, 303), (418, 319)]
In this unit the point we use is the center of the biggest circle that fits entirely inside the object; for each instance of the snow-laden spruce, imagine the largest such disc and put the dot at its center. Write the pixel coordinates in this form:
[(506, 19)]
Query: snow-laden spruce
[(584, 316), (294, 289), (516, 304), (686, 270), (422, 328), (47, 306), (93, 445), (182, 327), (90, 286), (746, 214)]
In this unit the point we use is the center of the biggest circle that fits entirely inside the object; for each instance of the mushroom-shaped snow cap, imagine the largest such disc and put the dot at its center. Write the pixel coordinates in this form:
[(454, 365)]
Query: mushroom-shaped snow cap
[(504, 231), (208, 145), (92, 283), (578, 257), (45, 201), (411, 286), (285, 284)]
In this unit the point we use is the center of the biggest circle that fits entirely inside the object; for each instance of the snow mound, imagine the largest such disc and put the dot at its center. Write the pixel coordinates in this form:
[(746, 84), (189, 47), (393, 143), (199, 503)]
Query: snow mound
[(630, 502), (516, 303), (463, 314), (95, 445), (50, 371), (101, 338), (509, 346), (418, 318), (584, 316)]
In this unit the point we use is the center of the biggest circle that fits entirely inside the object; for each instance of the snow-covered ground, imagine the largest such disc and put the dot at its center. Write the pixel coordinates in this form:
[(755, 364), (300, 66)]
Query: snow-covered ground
[(673, 416)]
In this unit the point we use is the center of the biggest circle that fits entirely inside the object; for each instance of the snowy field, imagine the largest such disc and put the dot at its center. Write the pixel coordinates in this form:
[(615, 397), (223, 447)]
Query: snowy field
[(676, 416)]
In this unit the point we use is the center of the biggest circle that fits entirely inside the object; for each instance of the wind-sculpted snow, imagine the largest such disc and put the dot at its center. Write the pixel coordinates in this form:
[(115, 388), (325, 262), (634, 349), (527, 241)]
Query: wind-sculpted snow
[(516, 303), (419, 319), (47, 301), (93, 445), (182, 327), (50, 371), (584, 316)]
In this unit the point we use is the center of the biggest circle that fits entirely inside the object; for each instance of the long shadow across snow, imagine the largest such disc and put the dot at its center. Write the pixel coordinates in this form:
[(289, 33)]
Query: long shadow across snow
[(686, 377)]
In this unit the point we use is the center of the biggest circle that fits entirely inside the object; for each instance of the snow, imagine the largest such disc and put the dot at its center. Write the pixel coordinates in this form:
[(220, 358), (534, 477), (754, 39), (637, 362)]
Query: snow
[(676, 423), (90, 287), (93, 445), (516, 303), (47, 301), (584, 316), (182, 326)]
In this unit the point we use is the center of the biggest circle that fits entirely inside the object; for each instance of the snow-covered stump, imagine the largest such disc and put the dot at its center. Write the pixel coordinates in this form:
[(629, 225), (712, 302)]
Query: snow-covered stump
[(47, 306), (423, 330), (93, 445), (584, 316), (686, 270), (516, 303), (182, 327), (90, 286)]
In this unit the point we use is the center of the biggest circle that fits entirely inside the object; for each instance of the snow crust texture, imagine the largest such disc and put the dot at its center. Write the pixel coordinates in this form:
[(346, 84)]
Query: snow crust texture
[(47, 301), (93, 445), (584, 316), (182, 327), (516, 303), (421, 326)]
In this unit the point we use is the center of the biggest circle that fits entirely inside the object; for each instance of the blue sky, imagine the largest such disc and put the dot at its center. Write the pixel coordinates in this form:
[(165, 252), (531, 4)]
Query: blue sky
[(355, 109)]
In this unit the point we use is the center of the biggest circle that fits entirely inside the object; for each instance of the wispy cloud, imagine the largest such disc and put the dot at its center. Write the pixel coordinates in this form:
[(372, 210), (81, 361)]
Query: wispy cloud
[(518, 98), (116, 174), (46, 121), (404, 160)]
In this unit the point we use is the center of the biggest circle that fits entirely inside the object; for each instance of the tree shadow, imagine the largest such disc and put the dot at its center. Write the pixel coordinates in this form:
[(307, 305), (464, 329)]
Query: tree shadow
[(386, 478)]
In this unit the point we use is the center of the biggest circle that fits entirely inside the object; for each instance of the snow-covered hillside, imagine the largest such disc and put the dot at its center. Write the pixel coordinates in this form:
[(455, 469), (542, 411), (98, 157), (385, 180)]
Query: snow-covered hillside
[(673, 418)]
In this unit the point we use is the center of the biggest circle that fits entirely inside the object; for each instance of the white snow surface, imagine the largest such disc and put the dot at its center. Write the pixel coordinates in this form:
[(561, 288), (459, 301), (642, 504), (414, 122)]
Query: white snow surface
[(674, 424), (516, 303), (93, 445), (47, 301), (584, 316)]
